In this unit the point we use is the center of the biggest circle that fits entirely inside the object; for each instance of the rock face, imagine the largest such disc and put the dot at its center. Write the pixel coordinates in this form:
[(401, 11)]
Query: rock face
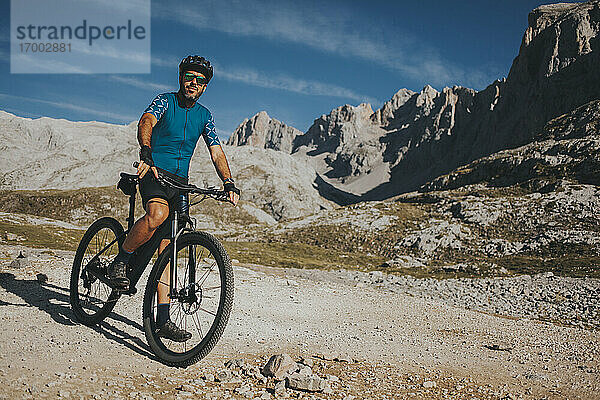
[(567, 148), (264, 132), (279, 184), (416, 137), (348, 138), (386, 113)]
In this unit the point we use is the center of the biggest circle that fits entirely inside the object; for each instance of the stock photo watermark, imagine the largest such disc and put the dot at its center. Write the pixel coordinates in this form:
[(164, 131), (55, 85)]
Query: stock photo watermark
[(80, 36)]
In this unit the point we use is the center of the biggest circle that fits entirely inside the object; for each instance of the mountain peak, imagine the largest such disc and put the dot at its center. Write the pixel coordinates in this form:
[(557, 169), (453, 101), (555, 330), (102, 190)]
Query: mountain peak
[(386, 112), (264, 132)]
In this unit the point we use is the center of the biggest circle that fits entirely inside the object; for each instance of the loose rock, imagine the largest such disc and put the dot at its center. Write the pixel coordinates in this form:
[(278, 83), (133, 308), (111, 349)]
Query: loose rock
[(310, 383), (278, 365)]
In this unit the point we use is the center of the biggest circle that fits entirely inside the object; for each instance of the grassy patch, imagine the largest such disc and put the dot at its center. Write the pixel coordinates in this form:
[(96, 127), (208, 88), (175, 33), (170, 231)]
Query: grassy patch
[(80, 206), (295, 255), (223, 214), (41, 236), (347, 238), (565, 260), (405, 212), (324, 244)]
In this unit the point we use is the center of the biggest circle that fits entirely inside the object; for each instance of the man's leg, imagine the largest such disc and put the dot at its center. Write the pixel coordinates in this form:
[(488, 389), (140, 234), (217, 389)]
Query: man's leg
[(162, 290), (157, 211), (166, 328)]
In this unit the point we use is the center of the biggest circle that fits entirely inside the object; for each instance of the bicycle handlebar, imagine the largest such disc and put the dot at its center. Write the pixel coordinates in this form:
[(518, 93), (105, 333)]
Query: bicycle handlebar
[(220, 195)]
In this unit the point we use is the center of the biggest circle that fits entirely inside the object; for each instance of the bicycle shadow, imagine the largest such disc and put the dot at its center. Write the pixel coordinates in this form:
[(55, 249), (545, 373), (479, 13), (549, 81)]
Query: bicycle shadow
[(53, 300)]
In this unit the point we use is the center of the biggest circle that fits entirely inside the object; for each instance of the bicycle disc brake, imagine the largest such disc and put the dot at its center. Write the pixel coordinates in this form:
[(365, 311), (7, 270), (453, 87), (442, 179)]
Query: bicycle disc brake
[(190, 302)]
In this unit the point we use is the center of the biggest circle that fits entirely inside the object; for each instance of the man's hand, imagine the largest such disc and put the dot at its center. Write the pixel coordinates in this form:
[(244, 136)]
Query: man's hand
[(143, 169), (146, 162), (234, 198), (232, 192)]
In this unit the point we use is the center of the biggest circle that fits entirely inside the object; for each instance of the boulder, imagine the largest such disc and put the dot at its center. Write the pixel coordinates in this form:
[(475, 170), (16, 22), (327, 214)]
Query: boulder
[(278, 365)]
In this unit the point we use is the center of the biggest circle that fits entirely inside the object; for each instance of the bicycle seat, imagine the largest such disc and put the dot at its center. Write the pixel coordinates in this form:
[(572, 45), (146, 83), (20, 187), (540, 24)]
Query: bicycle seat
[(127, 183), (129, 176)]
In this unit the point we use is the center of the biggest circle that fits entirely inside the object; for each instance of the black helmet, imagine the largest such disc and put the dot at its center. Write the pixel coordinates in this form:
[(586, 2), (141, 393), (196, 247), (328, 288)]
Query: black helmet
[(196, 63)]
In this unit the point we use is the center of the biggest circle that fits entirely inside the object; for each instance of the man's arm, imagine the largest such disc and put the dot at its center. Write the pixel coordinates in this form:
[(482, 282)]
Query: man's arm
[(144, 134), (220, 162), (147, 122)]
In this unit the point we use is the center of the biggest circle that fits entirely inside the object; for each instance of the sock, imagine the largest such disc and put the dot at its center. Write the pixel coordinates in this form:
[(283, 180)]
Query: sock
[(123, 255), (162, 316)]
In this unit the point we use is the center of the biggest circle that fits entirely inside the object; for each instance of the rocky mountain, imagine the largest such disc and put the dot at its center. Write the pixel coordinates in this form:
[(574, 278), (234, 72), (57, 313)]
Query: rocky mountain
[(345, 148), (56, 153), (416, 137), (264, 132), (46, 153), (523, 210)]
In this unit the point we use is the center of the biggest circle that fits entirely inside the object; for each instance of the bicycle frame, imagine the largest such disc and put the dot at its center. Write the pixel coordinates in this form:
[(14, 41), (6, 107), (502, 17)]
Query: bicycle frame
[(170, 230)]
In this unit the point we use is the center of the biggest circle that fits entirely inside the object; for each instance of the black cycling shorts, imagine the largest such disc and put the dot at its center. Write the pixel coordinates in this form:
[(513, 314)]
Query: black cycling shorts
[(150, 188)]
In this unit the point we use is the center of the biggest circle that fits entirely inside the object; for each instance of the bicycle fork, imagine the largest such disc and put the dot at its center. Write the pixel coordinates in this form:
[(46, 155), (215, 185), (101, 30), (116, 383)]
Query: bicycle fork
[(173, 266), (191, 264)]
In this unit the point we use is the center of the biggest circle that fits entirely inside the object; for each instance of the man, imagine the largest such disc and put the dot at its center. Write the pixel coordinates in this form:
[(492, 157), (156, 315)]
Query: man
[(168, 132)]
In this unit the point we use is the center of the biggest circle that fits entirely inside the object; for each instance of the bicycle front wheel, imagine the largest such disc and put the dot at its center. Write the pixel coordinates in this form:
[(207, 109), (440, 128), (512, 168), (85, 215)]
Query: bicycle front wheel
[(91, 299), (201, 302)]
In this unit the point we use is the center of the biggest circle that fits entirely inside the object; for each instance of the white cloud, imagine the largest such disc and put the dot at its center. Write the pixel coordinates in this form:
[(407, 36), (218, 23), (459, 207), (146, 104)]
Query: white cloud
[(341, 33), (166, 61), (115, 52), (290, 84), (141, 83), (68, 106)]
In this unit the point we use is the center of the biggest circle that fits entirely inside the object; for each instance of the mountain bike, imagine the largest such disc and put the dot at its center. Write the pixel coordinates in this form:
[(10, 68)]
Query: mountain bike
[(200, 284)]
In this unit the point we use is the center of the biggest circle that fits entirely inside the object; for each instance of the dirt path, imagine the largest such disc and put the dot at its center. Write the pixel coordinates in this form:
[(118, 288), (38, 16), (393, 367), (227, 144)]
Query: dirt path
[(395, 346)]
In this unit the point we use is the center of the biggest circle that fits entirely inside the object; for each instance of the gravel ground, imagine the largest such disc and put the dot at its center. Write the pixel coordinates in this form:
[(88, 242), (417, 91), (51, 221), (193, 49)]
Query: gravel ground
[(569, 301), (368, 338)]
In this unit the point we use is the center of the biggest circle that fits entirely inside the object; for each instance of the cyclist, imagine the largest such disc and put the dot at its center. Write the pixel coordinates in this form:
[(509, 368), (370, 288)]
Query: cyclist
[(168, 132)]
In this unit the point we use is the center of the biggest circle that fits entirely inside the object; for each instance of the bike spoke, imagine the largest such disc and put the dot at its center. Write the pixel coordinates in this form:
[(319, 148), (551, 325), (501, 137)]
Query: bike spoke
[(206, 311), (206, 274), (92, 295), (198, 324), (211, 288)]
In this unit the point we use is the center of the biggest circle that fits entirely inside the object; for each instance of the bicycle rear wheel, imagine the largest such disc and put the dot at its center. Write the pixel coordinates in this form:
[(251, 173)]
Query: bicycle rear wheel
[(91, 299), (204, 297)]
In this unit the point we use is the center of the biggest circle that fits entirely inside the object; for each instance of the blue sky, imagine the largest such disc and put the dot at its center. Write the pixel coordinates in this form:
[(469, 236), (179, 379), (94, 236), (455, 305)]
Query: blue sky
[(294, 59)]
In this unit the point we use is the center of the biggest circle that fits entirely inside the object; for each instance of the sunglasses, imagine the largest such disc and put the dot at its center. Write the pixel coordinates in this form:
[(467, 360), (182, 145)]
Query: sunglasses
[(200, 80)]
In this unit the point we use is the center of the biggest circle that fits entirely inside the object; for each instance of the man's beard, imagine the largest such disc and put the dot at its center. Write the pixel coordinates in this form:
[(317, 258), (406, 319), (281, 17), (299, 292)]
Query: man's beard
[(191, 97)]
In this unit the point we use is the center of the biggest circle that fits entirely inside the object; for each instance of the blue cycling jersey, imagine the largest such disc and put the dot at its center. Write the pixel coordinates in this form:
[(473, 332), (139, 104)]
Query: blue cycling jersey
[(177, 131)]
